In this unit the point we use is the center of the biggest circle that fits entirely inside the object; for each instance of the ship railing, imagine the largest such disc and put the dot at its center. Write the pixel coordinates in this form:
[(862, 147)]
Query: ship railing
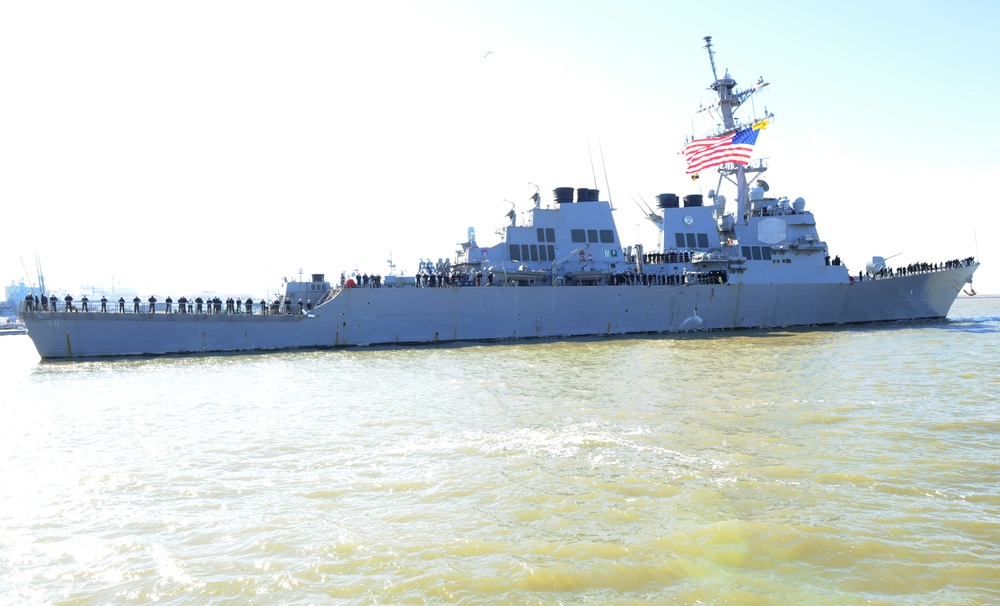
[(619, 279), (144, 309)]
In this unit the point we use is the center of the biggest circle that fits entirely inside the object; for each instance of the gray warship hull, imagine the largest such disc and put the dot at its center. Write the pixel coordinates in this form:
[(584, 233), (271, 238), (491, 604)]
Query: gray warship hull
[(403, 316), (562, 272)]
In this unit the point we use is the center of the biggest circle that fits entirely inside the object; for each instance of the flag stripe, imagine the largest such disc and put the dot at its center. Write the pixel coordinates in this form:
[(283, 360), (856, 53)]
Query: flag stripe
[(706, 153)]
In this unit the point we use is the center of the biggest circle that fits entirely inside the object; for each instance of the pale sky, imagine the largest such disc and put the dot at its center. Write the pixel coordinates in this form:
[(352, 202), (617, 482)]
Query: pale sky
[(184, 147)]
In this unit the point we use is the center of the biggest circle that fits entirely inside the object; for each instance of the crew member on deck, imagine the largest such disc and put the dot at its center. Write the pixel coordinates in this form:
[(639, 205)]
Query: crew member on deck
[(121, 305), (170, 304), (104, 304), (135, 304), (152, 304), (69, 302)]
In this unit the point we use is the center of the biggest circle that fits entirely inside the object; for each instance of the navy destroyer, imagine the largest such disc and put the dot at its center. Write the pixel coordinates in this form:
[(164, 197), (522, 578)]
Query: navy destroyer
[(562, 271)]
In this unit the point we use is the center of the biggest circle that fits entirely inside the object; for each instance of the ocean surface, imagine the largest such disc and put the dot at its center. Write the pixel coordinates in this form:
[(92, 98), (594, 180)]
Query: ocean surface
[(853, 466)]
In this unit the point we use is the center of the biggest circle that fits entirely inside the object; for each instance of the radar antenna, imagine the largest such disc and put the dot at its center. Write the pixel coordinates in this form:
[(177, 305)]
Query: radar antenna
[(711, 55), (536, 197)]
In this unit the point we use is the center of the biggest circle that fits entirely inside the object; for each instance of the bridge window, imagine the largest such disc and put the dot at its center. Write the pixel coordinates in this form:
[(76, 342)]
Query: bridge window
[(607, 236), (757, 253), (515, 252), (550, 234), (592, 235), (679, 237), (578, 235), (534, 252), (702, 240)]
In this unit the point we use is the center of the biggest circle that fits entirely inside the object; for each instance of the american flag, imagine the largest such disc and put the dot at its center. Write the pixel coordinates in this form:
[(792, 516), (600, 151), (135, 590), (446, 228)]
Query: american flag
[(706, 153)]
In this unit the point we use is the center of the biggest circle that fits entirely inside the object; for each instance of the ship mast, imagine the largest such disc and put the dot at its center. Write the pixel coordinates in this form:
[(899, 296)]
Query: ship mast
[(730, 100)]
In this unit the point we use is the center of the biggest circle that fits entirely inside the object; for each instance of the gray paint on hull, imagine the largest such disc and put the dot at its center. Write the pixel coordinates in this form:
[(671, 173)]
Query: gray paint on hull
[(397, 316)]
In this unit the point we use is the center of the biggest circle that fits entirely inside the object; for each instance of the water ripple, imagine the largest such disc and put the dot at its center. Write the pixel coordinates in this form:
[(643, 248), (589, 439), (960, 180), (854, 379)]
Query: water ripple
[(823, 467)]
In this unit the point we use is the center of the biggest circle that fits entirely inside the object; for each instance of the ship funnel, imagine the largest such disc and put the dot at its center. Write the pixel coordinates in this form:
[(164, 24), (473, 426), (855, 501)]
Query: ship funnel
[(563, 195), (668, 201)]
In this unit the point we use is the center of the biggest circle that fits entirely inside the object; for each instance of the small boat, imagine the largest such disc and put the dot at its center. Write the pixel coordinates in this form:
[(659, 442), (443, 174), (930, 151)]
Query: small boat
[(520, 275), (12, 328)]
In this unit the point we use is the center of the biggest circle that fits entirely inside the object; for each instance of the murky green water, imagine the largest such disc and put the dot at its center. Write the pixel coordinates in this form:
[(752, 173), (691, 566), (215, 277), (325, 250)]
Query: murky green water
[(823, 467)]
